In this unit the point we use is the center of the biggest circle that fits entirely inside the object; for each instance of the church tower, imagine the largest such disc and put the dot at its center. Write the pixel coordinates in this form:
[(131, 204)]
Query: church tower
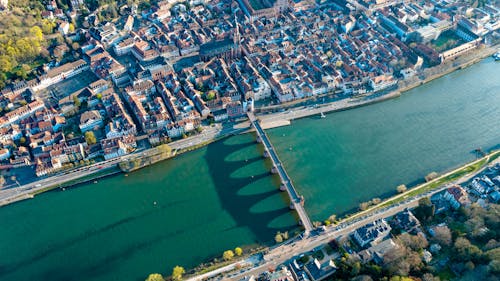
[(236, 50)]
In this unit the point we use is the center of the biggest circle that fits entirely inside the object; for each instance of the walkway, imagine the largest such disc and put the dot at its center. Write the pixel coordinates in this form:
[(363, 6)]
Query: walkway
[(295, 198)]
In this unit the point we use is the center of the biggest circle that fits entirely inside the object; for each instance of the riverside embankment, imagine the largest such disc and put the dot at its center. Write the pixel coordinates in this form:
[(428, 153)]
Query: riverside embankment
[(269, 121), (191, 208)]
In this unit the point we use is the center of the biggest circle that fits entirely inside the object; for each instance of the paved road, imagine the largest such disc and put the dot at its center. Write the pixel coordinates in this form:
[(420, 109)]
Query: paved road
[(284, 253)]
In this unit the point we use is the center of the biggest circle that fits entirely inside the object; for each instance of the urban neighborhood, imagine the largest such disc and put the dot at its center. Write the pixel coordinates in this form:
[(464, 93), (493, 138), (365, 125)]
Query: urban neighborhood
[(95, 88)]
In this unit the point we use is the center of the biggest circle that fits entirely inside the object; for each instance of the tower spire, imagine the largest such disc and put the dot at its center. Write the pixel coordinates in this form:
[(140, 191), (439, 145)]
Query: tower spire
[(236, 37)]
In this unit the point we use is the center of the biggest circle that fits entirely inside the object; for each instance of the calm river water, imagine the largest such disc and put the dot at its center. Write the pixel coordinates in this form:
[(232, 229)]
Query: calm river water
[(190, 209)]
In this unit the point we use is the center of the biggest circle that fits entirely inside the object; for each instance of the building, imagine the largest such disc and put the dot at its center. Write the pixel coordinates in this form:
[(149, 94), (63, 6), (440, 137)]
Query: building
[(376, 253), (4, 154), (255, 9), (456, 196), (117, 147), (372, 233), (282, 274), (318, 271), (406, 222), (227, 49), (89, 120), (460, 50)]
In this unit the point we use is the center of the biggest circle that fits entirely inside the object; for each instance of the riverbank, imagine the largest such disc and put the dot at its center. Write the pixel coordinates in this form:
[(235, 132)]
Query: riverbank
[(279, 119), (455, 176), (439, 71), (344, 226), (268, 121)]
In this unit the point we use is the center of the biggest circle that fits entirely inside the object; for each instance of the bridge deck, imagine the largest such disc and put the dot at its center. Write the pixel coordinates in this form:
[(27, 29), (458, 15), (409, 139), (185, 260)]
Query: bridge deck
[(294, 196)]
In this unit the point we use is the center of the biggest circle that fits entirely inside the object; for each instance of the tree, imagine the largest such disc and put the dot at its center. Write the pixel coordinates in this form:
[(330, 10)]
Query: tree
[(356, 268), (22, 140), (211, 95), (278, 238), (75, 46), (425, 209), (37, 32), (90, 138), (164, 149), (2, 180), (442, 235), (362, 278), (76, 101), (155, 277), (464, 250), (228, 255), (238, 251), (401, 188), (363, 206), (414, 242), (431, 176), (177, 273)]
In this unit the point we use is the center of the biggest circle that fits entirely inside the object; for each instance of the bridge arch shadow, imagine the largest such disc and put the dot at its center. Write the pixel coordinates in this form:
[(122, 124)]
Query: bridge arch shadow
[(240, 204)]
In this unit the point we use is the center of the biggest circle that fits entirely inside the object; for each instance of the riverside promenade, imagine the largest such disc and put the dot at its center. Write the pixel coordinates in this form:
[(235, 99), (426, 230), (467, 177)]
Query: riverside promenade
[(297, 201)]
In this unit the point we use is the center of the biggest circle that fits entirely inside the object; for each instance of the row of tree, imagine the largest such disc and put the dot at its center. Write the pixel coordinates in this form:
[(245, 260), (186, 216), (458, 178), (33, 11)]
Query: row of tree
[(179, 271)]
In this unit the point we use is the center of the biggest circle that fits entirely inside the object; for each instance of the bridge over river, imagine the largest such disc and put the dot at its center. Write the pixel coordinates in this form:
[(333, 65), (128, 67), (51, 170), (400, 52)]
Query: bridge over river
[(296, 200)]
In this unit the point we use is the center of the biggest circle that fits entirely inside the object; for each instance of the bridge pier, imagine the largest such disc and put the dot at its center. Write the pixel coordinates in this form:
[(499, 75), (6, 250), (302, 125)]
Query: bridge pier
[(274, 170), (296, 201)]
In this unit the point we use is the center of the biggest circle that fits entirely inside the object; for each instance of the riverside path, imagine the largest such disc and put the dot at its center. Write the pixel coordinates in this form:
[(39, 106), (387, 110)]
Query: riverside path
[(297, 201)]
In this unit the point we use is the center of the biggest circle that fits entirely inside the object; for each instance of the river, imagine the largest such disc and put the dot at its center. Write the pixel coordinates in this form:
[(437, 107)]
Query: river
[(353, 156), (190, 209)]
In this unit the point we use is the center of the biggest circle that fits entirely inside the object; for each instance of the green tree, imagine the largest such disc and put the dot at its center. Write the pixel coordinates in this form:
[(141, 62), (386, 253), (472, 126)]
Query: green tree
[(155, 277), (238, 251), (425, 209), (211, 95), (465, 251), (37, 32), (177, 273), (90, 138), (164, 149), (278, 238), (77, 101), (228, 255), (22, 140)]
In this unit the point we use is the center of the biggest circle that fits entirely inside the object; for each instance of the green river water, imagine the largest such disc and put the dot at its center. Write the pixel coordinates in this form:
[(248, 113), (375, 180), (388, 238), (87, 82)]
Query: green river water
[(190, 209)]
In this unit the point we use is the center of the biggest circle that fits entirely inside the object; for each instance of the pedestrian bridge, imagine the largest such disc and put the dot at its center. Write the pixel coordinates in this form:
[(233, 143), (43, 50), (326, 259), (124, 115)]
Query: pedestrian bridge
[(296, 200)]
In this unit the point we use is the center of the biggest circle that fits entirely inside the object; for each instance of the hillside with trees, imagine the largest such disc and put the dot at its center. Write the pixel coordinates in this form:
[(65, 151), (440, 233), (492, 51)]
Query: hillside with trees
[(22, 44)]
